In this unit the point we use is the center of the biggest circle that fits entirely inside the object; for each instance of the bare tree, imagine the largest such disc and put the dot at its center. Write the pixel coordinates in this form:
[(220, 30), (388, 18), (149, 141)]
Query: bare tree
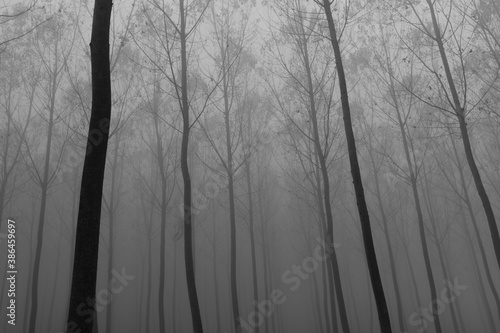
[(446, 37), (49, 47), (378, 290)]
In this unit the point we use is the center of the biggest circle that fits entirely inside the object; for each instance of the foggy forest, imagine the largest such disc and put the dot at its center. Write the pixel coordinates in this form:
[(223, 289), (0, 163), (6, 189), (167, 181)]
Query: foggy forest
[(234, 166)]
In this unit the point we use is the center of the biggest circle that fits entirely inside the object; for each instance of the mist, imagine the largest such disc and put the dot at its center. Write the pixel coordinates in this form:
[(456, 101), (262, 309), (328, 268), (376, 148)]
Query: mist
[(265, 166)]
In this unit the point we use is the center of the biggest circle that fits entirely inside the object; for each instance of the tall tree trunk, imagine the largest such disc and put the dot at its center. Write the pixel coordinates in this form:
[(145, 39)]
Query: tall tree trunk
[(378, 290), (252, 235), (83, 282), (188, 226), (111, 219), (370, 301), (479, 275), (323, 229), (44, 186), (432, 219), (318, 150), (457, 304), (149, 228), (56, 280), (163, 230), (464, 132), (140, 292), (214, 268), (413, 281), (30, 270), (354, 307), (150, 275), (232, 215), (392, 263), (316, 298), (465, 197), (423, 242), (413, 174), (72, 235), (163, 206), (264, 249), (174, 292)]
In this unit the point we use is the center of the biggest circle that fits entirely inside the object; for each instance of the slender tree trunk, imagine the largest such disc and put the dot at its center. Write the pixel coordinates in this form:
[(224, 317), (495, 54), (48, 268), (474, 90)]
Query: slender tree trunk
[(329, 306), (413, 281), (149, 227), (316, 297), (413, 173), (36, 268), (55, 284), (252, 238), (163, 223), (326, 182), (150, 275), (148, 291), (30, 270), (216, 282), (6, 170), (140, 292), (163, 207), (354, 307), (174, 292), (378, 193), (460, 316), (430, 211), (232, 215), (370, 303), (111, 220), (188, 227), (72, 236), (423, 242), (465, 197), (479, 275), (460, 113), (378, 290), (264, 251), (330, 295), (89, 213), (44, 186)]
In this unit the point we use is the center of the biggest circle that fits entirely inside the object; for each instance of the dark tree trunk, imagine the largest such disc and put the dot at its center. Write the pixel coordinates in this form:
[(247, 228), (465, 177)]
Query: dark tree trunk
[(460, 114), (329, 290), (465, 197), (188, 226), (378, 290), (392, 262), (83, 284), (321, 157)]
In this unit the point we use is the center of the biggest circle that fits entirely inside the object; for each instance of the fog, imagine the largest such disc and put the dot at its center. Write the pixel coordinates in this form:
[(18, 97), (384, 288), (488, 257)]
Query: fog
[(241, 108)]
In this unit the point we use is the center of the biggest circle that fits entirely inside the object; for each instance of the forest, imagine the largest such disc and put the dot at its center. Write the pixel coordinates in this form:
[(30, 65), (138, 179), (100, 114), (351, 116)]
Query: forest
[(234, 166)]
